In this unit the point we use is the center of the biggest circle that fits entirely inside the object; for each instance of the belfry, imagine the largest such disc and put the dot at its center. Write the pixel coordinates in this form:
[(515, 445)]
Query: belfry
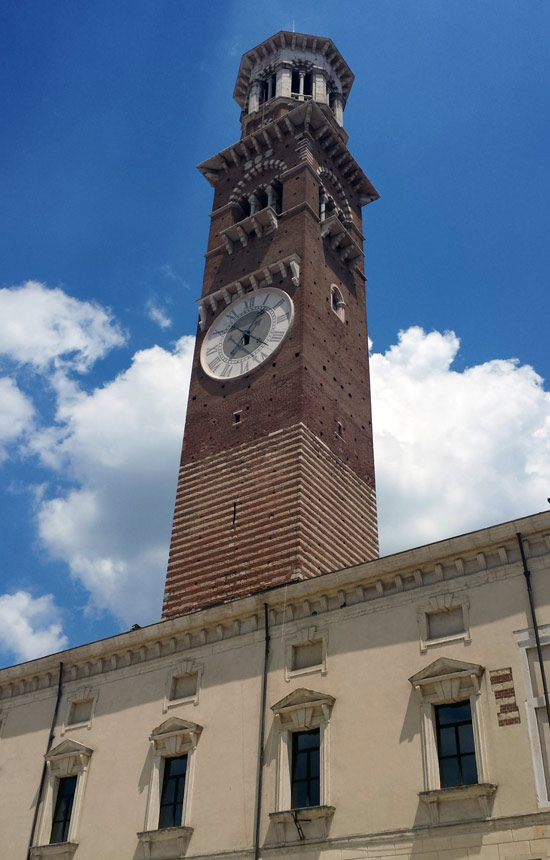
[(277, 476)]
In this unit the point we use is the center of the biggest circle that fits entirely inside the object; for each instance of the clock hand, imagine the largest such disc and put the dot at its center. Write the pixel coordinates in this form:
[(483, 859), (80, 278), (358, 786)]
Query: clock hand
[(249, 333)]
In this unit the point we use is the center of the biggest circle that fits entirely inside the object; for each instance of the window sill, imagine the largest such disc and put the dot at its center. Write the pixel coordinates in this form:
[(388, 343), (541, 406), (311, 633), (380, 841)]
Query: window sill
[(57, 850), (263, 221), (166, 842), (341, 240), (481, 790), (289, 823)]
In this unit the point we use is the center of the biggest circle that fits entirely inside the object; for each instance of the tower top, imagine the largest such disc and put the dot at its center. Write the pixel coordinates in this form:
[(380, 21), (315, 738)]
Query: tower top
[(292, 67)]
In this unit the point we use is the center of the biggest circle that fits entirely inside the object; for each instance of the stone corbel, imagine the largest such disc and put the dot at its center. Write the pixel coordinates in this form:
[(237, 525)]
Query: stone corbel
[(228, 244), (243, 237), (257, 227), (295, 269)]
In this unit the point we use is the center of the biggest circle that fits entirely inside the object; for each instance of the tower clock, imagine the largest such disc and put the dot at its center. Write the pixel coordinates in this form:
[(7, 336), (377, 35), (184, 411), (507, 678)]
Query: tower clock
[(276, 478)]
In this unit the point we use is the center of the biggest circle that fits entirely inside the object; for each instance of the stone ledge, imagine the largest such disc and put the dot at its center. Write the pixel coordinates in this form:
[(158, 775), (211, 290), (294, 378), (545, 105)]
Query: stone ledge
[(318, 815), (480, 790), (57, 850), (165, 842)]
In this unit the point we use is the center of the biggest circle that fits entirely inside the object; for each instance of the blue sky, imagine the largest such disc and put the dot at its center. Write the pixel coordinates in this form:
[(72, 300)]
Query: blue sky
[(107, 107)]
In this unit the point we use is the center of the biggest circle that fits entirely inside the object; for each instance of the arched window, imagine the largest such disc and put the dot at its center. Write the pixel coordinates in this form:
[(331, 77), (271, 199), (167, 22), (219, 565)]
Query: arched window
[(337, 303), (269, 194)]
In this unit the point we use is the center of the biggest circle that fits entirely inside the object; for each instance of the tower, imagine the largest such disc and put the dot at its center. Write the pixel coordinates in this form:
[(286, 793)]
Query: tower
[(276, 478)]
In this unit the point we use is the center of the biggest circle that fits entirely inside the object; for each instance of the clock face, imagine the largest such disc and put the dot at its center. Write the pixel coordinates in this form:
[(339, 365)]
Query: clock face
[(247, 333)]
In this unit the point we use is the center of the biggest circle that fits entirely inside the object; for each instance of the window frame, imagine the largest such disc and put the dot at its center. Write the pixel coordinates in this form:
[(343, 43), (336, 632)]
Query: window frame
[(82, 694), (69, 758), (177, 801), (301, 711), (306, 636), (185, 667), (526, 641), (446, 681), (173, 738), (459, 755), (438, 604), (307, 753)]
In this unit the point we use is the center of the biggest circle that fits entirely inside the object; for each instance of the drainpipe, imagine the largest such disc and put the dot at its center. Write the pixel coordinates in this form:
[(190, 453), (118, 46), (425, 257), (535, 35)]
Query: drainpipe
[(262, 738), (44, 766), (527, 576)]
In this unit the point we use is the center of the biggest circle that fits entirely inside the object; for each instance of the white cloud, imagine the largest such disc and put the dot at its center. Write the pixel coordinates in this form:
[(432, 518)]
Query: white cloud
[(157, 315), (41, 326), (121, 445), (454, 451), (16, 413), (30, 626)]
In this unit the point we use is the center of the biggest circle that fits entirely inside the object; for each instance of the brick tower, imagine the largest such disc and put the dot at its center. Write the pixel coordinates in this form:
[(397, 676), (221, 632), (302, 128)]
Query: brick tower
[(276, 478)]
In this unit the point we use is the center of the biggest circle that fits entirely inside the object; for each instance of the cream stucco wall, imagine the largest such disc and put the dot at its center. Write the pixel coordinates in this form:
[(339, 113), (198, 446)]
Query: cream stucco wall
[(368, 618)]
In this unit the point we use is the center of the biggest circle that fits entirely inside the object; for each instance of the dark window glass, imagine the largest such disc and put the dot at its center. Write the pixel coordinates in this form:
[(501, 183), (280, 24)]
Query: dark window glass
[(455, 744), (308, 84), (63, 809), (295, 82), (173, 788), (305, 769)]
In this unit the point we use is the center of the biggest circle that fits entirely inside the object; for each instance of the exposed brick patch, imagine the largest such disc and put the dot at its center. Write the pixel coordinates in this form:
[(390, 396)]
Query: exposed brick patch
[(509, 721), (505, 694), (499, 679), (502, 683)]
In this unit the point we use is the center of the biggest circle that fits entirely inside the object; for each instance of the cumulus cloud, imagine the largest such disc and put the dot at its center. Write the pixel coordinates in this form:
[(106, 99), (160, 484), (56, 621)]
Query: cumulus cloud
[(157, 315), (455, 451), (120, 445), (44, 327), (29, 626), (16, 413)]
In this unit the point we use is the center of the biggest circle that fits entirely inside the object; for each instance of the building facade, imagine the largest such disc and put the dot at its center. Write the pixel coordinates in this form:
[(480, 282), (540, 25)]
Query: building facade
[(301, 697)]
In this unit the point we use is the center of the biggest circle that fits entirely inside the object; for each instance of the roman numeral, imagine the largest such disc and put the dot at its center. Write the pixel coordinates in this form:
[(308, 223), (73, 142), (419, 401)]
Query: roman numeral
[(244, 367), (282, 318), (214, 364), (212, 350), (279, 303), (226, 371), (249, 303), (276, 335)]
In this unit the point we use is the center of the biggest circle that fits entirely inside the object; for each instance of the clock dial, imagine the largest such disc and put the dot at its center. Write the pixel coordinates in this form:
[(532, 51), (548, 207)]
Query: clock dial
[(246, 333)]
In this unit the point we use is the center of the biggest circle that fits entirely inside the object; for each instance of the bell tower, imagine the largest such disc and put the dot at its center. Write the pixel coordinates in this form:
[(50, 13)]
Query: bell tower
[(276, 479)]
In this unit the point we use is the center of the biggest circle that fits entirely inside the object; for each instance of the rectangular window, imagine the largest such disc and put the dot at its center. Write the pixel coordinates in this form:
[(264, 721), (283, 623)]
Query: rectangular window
[(173, 790), (63, 808), (80, 712), (306, 655), (445, 623), (455, 744), (305, 782)]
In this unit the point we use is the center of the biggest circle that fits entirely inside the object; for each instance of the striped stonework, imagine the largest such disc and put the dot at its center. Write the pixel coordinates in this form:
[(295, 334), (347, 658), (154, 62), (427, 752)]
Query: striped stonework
[(502, 685), (262, 514)]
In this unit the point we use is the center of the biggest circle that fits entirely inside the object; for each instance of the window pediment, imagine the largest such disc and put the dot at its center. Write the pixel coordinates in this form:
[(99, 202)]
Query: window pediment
[(68, 758), (447, 680), (303, 709), (175, 737)]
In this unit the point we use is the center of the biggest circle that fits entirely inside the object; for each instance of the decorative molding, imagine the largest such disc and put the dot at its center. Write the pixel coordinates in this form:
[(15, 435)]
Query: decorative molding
[(440, 604), (180, 670), (306, 636), (128, 651)]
